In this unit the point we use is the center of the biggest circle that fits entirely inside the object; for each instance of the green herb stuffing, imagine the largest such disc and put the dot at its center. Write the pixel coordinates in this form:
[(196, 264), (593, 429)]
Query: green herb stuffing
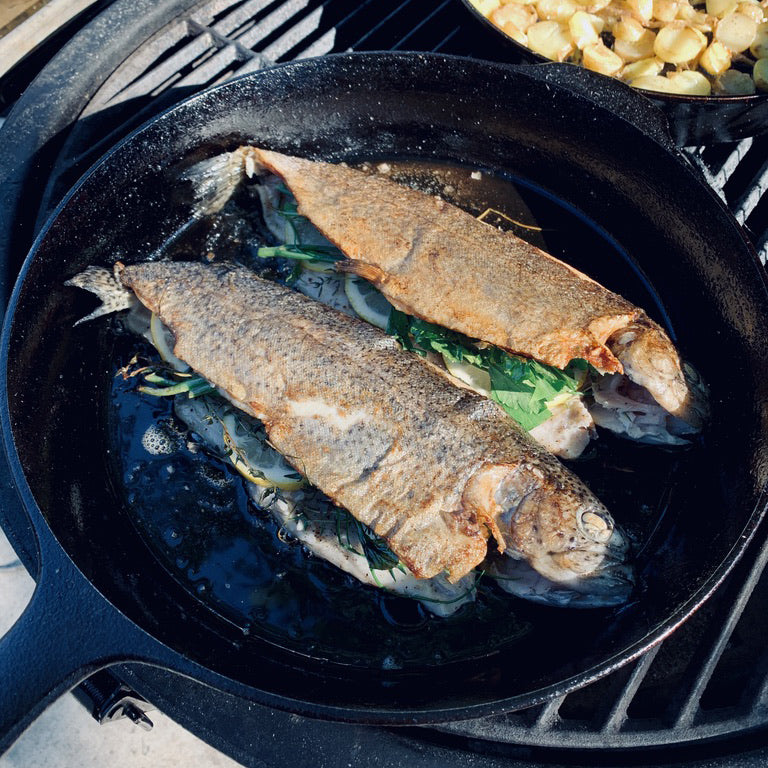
[(524, 388), (351, 533), (167, 381)]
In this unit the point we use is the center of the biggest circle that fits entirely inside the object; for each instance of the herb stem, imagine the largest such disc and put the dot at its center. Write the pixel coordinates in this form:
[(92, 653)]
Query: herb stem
[(299, 252)]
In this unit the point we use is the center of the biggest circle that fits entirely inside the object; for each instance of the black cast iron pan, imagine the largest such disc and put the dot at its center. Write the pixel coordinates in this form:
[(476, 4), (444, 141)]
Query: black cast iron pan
[(105, 592)]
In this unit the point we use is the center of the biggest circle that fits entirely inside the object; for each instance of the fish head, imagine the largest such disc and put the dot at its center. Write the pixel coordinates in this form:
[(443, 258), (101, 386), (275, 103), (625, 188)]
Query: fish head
[(551, 521), (650, 360)]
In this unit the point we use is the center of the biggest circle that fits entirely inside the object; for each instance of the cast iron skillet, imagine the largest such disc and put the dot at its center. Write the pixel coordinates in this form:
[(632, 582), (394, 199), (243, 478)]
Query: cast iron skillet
[(103, 596), (693, 120)]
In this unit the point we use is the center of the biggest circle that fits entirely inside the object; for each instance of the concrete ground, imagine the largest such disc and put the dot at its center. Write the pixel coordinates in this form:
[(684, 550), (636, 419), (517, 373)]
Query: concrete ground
[(66, 735)]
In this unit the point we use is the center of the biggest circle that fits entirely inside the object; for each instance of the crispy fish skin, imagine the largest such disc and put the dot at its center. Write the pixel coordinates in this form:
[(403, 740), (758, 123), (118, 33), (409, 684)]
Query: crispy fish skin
[(430, 467), (436, 261), (416, 248)]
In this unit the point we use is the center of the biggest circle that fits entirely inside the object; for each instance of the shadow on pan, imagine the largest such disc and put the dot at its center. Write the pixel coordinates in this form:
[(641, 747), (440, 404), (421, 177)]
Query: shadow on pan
[(105, 592)]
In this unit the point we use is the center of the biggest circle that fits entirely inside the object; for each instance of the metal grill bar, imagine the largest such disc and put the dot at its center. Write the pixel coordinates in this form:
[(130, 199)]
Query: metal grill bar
[(689, 706), (198, 28), (762, 246), (720, 171), (549, 715), (748, 201), (756, 696), (293, 37), (335, 22), (361, 43), (272, 24), (230, 23), (400, 44), (161, 77), (722, 168), (213, 69), (617, 716), (446, 41), (323, 45)]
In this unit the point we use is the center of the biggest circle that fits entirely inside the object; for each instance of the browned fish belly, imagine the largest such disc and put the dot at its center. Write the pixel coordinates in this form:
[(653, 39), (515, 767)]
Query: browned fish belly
[(432, 468), (434, 260)]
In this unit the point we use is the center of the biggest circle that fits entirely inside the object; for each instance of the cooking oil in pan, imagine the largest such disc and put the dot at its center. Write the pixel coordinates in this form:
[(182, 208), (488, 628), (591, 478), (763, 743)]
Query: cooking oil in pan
[(194, 511)]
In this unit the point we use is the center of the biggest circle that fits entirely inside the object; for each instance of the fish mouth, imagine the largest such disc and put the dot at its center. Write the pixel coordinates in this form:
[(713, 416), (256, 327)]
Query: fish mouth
[(651, 361), (608, 587), (595, 562)]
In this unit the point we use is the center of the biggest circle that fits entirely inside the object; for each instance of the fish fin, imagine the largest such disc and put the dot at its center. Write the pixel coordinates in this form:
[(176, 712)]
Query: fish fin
[(479, 499), (369, 272), (215, 179), (601, 358), (106, 285)]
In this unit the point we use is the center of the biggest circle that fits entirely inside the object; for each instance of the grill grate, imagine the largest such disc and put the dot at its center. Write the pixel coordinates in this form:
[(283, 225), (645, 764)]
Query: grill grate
[(739, 174), (713, 672), (700, 683), (216, 41)]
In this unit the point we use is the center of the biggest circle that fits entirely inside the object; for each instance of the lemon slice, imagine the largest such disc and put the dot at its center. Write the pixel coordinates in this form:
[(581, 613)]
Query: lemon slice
[(475, 378), (162, 339), (319, 266), (255, 459), (367, 302), (239, 439)]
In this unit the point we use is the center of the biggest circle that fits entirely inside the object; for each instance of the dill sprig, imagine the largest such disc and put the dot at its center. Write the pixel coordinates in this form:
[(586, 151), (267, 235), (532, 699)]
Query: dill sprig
[(352, 534)]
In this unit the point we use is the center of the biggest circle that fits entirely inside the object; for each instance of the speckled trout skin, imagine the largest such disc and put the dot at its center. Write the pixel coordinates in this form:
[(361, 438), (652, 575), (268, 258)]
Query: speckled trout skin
[(436, 261), (434, 469)]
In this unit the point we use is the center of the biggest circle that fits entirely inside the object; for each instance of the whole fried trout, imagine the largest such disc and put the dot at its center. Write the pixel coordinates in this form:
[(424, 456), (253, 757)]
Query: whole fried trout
[(437, 471), (437, 262)]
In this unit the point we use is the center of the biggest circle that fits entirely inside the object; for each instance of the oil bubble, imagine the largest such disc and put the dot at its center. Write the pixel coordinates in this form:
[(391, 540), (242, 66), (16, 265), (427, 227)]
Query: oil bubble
[(213, 476), (158, 440)]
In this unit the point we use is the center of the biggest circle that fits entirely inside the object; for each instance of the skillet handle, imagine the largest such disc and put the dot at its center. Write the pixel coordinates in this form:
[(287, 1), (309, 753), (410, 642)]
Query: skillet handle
[(67, 632)]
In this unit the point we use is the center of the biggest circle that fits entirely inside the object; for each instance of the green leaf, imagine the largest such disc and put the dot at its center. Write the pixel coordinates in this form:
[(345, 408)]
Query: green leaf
[(399, 326), (455, 346)]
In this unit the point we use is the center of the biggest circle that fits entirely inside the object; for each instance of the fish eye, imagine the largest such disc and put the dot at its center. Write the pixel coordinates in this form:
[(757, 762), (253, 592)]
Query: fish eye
[(596, 527)]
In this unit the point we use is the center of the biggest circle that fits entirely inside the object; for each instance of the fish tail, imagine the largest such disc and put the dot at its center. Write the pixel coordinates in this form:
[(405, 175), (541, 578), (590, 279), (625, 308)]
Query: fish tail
[(106, 285), (215, 179)]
